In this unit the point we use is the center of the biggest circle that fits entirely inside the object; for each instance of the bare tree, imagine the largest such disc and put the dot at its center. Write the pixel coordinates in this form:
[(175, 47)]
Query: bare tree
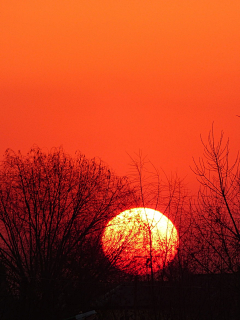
[(217, 219), (53, 209), (147, 252), (167, 194)]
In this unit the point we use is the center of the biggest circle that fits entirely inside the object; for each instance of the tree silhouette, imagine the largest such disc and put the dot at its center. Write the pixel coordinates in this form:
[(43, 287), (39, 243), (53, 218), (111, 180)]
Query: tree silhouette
[(53, 209), (217, 223), (166, 193)]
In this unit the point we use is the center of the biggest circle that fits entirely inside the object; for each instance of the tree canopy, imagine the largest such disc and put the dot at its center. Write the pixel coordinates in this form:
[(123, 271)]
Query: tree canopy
[(53, 209)]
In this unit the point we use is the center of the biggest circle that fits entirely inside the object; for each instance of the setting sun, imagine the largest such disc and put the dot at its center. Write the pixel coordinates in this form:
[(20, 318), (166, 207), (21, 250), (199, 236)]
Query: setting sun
[(139, 240)]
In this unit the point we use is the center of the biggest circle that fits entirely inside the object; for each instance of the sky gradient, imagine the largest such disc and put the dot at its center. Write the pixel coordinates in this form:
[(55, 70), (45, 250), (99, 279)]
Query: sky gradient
[(110, 78)]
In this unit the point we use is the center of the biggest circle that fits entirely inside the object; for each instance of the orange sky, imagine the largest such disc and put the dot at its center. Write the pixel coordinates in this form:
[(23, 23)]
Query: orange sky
[(112, 77)]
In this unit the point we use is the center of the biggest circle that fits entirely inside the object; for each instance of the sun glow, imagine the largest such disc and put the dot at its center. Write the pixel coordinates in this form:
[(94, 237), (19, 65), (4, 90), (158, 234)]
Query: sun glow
[(140, 240)]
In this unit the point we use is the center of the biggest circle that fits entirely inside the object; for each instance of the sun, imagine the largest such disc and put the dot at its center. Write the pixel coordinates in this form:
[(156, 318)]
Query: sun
[(140, 240)]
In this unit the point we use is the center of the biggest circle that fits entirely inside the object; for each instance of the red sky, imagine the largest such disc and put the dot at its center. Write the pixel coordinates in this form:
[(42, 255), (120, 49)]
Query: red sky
[(110, 78)]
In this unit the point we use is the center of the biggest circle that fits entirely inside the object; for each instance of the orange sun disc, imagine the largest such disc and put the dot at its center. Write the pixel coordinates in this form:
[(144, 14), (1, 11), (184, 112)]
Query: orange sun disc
[(140, 240)]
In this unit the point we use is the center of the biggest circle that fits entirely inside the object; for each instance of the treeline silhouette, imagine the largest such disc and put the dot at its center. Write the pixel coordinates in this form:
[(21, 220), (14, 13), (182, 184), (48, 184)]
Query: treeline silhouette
[(53, 211)]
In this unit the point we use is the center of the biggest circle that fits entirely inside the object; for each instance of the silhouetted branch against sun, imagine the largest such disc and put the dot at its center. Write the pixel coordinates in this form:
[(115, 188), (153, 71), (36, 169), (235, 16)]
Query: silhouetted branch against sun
[(145, 238)]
